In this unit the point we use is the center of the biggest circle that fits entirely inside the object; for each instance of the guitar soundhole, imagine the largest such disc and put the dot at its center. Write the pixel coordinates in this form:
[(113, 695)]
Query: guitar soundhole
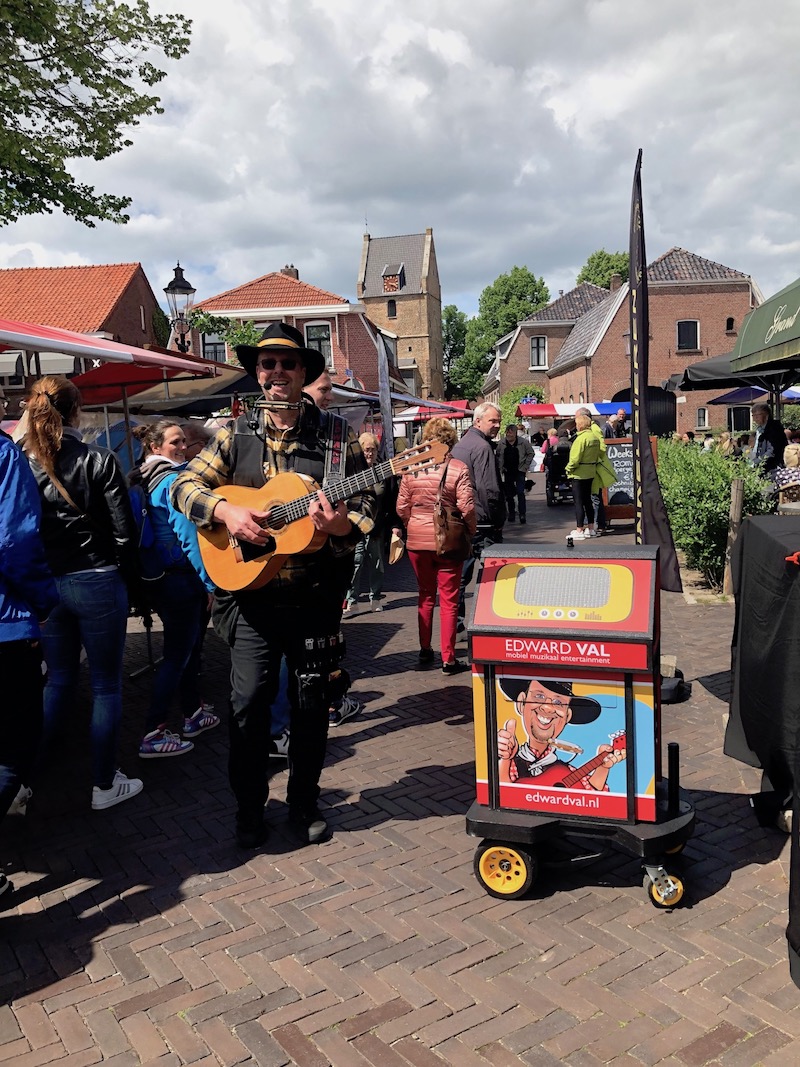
[(276, 518)]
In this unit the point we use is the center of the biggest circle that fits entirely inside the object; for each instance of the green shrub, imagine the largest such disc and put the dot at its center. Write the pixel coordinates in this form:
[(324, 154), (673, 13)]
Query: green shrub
[(509, 402), (696, 487)]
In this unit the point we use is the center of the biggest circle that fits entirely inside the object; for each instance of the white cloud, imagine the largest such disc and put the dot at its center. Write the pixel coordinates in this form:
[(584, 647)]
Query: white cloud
[(511, 129)]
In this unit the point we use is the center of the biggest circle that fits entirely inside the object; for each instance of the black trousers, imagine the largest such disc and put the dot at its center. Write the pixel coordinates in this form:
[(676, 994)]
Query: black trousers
[(582, 495), (265, 632), (20, 661), (483, 537)]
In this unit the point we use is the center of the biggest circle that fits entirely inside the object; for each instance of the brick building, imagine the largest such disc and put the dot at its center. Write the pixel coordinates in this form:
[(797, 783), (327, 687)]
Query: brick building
[(578, 347), (398, 283), (114, 302), (338, 329)]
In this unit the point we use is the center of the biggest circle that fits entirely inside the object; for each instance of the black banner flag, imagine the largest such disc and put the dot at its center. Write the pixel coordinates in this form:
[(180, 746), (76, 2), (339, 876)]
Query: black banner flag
[(652, 524)]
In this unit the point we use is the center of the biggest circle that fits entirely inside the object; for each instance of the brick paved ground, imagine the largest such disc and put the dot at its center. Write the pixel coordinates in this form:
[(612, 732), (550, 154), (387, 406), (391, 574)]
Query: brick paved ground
[(142, 935)]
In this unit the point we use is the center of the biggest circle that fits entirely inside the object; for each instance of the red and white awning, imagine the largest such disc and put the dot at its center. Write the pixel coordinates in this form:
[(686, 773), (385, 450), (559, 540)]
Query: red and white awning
[(29, 337), (567, 411)]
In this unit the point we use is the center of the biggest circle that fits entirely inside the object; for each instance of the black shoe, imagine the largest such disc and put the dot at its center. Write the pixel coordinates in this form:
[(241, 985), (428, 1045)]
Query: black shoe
[(456, 667), (309, 826), (521, 521), (461, 627), (6, 890), (251, 833), (426, 655)]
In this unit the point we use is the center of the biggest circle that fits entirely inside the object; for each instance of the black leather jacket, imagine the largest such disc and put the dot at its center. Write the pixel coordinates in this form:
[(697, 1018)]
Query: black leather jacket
[(105, 532)]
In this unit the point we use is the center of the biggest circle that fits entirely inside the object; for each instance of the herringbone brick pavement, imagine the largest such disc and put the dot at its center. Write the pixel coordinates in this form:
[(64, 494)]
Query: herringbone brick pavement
[(142, 935)]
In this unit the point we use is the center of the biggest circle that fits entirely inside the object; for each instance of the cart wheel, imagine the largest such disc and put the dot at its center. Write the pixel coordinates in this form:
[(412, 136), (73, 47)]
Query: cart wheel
[(659, 901), (503, 871), (551, 497), (676, 849)]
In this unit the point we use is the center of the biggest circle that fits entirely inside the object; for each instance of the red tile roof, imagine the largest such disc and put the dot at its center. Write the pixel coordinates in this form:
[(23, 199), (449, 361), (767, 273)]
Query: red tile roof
[(273, 290), (72, 298)]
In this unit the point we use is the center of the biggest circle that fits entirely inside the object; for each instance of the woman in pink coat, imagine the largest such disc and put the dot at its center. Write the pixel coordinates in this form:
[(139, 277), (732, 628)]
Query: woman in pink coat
[(415, 504)]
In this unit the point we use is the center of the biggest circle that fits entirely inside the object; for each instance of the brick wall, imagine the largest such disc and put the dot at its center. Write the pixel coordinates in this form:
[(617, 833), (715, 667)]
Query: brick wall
[(515, 369), (418, 326), (125, 321), (609, 372)]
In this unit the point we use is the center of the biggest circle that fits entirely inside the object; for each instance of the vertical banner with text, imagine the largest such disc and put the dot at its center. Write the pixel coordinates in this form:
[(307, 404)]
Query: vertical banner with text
[(652, 523)]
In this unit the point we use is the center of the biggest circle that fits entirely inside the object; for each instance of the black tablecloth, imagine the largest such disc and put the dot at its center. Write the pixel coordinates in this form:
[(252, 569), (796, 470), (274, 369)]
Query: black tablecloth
[(764, 716)]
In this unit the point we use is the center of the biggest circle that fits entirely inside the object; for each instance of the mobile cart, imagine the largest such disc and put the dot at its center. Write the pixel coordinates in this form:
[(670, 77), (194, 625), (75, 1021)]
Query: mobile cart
[(566, 695)]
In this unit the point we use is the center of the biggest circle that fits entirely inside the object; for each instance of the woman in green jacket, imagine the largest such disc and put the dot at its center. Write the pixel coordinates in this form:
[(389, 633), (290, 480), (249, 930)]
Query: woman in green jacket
[(581, 469)]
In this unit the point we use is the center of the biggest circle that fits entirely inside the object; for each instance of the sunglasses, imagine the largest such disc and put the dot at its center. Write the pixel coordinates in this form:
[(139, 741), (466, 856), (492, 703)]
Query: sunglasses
[(284, 364)]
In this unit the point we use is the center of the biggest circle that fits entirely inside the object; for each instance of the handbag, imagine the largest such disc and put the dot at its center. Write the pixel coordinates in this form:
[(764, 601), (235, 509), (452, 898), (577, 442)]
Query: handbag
[(453, 539)]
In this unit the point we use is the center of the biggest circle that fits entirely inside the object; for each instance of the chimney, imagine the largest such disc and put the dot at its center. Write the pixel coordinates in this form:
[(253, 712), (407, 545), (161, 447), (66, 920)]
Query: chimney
[(615, 282), (291, 271)]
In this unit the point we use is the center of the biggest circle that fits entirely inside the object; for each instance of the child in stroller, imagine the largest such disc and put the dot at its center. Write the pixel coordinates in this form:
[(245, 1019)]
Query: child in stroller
[(557, 486)]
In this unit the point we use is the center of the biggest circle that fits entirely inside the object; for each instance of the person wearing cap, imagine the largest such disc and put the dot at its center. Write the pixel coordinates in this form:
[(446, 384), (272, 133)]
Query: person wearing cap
[(545, 707), (297, 614)]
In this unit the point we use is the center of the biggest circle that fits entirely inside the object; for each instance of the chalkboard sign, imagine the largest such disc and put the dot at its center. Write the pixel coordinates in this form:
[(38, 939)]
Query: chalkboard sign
[(618, 498), (621, 455)]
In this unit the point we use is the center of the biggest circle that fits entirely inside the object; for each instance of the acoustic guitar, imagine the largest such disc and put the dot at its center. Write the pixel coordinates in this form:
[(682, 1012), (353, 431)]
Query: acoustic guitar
[(236, 564), (566, 777)]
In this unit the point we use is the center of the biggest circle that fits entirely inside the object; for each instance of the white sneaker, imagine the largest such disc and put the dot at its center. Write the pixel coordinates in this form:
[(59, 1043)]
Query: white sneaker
[(279, 746), (122, 788), (590, 533), (19, 805), (577, 535)]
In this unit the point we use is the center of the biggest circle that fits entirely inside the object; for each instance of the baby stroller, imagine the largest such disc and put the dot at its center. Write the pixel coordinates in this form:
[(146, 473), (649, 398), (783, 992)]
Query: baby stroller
[(557, 486)]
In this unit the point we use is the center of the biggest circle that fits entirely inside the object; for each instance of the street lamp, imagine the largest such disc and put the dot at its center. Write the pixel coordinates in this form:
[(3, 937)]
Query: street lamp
[(180, 295)]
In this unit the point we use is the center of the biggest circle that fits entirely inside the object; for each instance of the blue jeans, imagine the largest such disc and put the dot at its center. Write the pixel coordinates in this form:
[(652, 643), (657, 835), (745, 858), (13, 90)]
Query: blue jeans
[(369, 555), (180, 600), (93, 612), (515, 495)]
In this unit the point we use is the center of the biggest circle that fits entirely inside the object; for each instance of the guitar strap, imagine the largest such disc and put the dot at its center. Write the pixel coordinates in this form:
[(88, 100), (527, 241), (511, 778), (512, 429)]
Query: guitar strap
[(335, 449)]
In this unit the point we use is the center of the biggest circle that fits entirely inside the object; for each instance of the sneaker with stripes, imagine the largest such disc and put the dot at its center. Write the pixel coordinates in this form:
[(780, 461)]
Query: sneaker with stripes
[(122, 788), (160, 743)]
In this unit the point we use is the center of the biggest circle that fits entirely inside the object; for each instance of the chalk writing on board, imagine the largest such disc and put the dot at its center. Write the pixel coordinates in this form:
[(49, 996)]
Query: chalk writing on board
[(621, 456)]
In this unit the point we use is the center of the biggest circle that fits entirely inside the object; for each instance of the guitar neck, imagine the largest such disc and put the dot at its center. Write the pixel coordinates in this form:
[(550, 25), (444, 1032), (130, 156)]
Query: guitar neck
[(338, 491), (581, 772)]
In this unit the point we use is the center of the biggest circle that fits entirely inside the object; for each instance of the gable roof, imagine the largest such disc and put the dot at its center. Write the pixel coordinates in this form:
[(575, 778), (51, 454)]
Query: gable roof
[(387, 251), (678, 265), (570, 306), (73, 298), (588, 330), (274, 290)]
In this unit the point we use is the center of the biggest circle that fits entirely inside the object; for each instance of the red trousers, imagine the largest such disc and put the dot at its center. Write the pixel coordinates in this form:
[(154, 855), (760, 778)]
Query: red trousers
[(442, 575)]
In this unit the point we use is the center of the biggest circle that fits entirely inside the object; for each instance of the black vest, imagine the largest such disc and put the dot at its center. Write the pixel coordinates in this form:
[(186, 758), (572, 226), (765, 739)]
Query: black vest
[(249, 447)]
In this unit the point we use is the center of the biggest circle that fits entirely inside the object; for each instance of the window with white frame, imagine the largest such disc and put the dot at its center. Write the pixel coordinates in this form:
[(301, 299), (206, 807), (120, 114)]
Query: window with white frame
[(318, 335), (688, 335), (702, 418), (538, 353)]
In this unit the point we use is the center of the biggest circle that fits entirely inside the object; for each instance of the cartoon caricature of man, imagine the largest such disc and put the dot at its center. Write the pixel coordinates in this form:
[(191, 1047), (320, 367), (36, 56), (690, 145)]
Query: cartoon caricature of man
[(545, 708)]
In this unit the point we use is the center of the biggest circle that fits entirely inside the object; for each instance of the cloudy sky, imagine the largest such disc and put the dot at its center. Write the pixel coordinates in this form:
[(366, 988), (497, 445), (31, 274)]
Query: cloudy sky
[(509, 126)]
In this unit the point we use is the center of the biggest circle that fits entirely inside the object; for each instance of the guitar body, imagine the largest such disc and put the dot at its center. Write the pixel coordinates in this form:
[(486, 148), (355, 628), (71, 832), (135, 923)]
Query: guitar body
[(237, 566), (566, 776)]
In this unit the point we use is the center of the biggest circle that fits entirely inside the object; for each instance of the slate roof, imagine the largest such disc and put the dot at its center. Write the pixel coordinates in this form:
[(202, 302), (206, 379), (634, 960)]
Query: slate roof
[(275, 290), (678, 265), (571, 306), (72, 298), (585, 330), (385, 251)]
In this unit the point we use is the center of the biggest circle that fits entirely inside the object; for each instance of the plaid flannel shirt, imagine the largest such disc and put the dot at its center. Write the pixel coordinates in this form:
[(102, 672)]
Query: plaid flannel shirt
[(193, 490)]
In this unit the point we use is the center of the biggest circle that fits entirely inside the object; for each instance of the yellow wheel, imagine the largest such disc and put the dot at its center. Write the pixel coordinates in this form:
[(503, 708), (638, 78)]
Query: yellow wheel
[(676, 849), (659, 901), (504, 871)]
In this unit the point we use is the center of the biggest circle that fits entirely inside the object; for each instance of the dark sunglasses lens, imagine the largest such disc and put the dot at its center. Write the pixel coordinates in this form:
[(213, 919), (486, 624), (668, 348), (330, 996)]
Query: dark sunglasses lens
[(286, 364)]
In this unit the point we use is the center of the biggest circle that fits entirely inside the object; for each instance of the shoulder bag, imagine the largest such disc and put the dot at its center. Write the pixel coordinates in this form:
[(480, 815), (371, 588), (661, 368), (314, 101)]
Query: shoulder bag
[(453, 540)]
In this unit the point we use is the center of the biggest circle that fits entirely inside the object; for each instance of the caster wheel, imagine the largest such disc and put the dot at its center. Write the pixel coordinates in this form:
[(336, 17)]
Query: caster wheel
[(676, 849), (504, 871), (656, 898)]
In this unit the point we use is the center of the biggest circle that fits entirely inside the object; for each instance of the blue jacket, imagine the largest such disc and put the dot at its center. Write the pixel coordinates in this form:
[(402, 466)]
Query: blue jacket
[(176, 536), (27, 590)]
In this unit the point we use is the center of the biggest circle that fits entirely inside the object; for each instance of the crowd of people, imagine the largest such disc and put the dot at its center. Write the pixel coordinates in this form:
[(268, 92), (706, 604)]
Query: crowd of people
[(74, 567)]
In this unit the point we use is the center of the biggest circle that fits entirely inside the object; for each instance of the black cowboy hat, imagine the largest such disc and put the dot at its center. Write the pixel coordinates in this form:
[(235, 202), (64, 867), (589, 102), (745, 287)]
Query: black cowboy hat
[(584, 709), (280, 335)]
